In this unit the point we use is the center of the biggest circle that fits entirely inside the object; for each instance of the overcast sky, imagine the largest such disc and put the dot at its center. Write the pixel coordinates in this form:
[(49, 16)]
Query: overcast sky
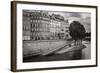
[(82, 17)]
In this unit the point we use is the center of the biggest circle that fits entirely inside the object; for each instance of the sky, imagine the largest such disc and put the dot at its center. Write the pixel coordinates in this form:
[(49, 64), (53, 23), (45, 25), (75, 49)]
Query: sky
[(83, 17)]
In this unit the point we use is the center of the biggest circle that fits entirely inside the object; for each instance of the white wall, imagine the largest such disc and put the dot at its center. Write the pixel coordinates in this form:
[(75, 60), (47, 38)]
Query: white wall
[(5, 37)]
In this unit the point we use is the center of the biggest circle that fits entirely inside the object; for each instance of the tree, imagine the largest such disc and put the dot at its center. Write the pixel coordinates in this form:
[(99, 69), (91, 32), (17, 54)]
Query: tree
[(77, 32)]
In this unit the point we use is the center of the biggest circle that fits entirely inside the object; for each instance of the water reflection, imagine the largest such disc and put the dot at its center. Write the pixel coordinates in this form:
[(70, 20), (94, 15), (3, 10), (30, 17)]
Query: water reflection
[(86, 52)]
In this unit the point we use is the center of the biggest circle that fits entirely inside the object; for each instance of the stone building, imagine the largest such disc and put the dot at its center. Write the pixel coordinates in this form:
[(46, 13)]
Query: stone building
[(26, 25), (40, 25)]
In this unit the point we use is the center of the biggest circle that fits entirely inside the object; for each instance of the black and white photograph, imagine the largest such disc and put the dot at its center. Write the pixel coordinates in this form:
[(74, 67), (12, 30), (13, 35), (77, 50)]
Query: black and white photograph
[(52, 36), (56, 35)]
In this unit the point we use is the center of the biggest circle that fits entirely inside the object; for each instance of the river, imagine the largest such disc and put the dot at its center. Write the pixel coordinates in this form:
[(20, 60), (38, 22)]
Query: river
[(86, 52)]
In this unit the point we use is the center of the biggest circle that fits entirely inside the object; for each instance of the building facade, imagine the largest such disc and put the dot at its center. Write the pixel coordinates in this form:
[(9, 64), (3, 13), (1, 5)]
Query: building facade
[(40, 25)]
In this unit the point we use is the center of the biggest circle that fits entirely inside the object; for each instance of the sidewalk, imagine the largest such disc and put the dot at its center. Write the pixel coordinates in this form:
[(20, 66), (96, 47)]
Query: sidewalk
[(70, 49)]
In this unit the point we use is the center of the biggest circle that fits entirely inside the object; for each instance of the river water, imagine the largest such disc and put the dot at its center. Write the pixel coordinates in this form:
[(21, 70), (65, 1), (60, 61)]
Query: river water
[(86, 52)]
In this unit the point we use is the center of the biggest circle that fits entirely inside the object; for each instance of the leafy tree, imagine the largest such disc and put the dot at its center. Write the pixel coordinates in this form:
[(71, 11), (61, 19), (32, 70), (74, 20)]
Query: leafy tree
[(77, 31)]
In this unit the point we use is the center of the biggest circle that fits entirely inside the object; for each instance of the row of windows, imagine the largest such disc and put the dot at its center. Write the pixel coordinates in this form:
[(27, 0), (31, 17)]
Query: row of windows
[(39, 30), (46, 38), (40, 36), (25, 27), (46, 33), (39, 25), (47, 20), (39, 21), (39, 15), (42, 18), (44, 29), (48, 24), (43, 38)]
